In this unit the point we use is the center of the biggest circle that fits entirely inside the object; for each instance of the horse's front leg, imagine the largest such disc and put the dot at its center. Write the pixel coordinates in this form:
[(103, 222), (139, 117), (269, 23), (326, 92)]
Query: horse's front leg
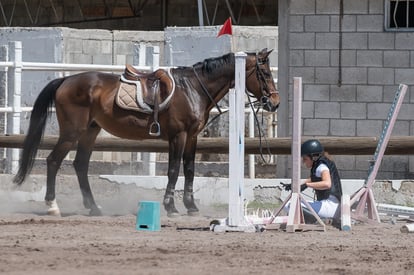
[(176, 148), (188, 163)]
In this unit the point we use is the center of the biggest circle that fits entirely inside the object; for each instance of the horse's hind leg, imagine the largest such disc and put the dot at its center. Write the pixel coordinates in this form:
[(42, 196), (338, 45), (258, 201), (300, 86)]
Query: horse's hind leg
[(176, 148), (188, 165), (54, 160), (81, 164)]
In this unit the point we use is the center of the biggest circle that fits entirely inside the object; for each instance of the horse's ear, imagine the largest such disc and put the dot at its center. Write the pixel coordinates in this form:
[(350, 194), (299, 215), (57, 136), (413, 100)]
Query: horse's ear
[(265, 52)]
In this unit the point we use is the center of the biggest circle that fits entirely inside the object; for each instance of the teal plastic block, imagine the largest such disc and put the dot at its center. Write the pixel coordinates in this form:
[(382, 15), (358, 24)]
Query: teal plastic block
[(148, 216)]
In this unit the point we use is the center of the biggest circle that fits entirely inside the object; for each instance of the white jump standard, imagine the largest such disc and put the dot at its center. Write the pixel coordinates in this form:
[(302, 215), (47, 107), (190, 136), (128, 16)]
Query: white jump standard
[(236, 220)]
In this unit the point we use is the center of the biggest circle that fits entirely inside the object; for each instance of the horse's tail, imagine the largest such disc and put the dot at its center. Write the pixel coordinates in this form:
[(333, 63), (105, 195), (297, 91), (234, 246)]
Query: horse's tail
[(41, 111)]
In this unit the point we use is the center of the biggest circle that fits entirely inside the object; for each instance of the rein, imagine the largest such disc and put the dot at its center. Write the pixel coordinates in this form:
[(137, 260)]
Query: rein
[(205, 90), (260, 129)]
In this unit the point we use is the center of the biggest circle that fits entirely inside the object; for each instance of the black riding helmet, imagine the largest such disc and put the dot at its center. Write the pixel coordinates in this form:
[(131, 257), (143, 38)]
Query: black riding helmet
[(311, 147)]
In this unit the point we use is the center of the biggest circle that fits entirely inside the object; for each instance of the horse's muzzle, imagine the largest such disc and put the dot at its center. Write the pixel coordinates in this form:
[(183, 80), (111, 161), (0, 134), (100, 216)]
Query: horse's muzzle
[(268, 105)]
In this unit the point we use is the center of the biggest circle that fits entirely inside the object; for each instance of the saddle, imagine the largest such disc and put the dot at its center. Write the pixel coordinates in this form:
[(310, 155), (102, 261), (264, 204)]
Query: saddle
[(148, 93)]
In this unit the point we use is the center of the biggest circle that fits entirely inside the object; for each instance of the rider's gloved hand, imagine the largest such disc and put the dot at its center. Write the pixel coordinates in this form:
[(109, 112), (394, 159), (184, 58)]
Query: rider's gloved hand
[(303, 187), (287, 186)]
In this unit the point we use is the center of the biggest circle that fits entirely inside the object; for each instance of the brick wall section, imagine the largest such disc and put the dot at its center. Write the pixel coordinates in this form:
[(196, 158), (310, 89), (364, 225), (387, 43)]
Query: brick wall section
[(373, 61), (106, 47)]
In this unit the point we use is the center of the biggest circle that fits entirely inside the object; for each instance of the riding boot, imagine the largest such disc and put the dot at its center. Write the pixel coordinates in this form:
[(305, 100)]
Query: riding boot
[(308, 216)]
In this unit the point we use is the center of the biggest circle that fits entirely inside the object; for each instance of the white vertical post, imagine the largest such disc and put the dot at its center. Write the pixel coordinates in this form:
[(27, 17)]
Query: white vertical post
[(142, 57), (149, 159), (295, 217), (296, 133), (14, 96), (155, 65), (345, 212), (252, 170), (236, 143), (236, 220), (142, 54), (4, 55)]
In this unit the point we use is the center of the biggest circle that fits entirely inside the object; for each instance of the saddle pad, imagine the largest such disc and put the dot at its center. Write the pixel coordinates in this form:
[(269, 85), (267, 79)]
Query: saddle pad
[(129, 96), (126, 98)]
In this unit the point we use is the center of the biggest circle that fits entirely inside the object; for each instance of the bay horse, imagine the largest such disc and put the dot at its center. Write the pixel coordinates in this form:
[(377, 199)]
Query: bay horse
[(85, 104)]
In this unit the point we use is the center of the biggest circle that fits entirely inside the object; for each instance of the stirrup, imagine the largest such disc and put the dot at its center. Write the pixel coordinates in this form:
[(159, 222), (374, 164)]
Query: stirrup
[(157, 129)]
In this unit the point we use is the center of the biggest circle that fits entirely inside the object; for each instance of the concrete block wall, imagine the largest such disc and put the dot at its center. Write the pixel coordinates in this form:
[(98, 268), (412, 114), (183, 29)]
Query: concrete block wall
[(107, 47), (186, 46), (351, 96)]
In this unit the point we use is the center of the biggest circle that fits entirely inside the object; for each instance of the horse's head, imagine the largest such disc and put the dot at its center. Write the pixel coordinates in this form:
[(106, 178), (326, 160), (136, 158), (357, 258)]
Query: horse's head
[(259, 80)]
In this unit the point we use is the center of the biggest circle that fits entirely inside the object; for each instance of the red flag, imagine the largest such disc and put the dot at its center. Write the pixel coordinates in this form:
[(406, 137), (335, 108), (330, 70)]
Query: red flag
[(226, 28)]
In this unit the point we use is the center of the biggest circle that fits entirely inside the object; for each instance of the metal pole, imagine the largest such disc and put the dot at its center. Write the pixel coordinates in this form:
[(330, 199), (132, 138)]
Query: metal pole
[(200, 13), (14, 96)]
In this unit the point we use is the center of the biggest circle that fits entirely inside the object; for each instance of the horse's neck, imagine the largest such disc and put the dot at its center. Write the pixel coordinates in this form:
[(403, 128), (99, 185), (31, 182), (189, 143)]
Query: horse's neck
[(219, 86)]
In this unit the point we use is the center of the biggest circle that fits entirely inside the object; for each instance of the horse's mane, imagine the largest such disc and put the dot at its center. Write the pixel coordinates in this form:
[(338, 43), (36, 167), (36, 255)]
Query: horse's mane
[(213, 66), (210, 65)]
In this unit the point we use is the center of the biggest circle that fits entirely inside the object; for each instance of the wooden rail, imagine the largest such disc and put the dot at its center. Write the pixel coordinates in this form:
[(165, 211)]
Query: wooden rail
[(398, 145)]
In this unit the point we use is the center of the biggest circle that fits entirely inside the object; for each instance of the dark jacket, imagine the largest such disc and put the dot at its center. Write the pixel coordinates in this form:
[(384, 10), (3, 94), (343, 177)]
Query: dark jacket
[(336, 188)]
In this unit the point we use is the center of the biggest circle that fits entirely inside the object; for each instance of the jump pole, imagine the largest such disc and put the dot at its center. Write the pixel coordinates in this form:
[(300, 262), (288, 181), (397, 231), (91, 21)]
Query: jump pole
[(236, 220), (296, 221), (365, 196)]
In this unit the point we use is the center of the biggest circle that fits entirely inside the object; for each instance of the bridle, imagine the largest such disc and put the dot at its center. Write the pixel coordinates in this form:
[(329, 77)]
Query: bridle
[(262, 78)]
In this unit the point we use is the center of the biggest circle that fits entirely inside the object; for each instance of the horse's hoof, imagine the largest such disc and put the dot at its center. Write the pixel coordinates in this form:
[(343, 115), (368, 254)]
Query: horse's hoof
[(173, 215), (95, 212), (193, 213), (53, 212), (53, 209)]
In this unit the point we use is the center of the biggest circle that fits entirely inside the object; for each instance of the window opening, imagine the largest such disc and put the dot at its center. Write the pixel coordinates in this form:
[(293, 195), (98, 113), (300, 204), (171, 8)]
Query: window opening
[(400, 14)]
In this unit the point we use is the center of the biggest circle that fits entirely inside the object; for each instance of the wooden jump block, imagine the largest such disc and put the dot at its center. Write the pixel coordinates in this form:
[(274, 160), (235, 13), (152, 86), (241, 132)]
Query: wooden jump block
[(345, 213)]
